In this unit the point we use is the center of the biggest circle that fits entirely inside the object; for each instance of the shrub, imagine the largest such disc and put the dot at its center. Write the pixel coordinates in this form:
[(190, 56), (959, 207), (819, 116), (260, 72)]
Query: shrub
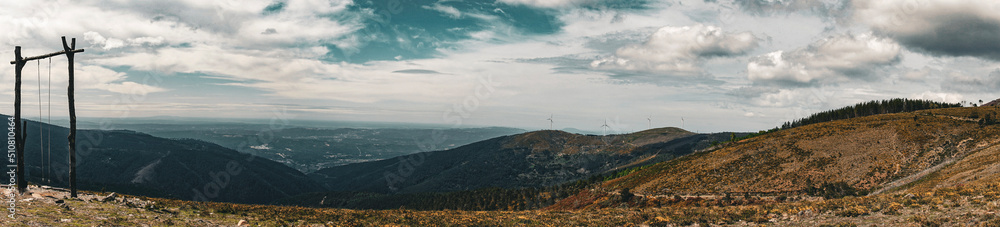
[(853, 211), (892, 209)]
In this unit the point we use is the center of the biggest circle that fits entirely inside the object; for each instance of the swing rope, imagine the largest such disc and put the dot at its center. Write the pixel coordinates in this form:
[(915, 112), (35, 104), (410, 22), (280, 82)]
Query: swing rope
[(48, 151), (41, 139)]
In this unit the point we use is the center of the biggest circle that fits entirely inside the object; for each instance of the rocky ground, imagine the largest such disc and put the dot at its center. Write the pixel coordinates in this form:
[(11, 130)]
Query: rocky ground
[(46, 206)]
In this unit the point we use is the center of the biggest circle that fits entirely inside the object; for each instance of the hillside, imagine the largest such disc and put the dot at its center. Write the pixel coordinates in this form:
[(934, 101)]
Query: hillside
[(140, 164), (867, 154), (308, 149), (533, 159)]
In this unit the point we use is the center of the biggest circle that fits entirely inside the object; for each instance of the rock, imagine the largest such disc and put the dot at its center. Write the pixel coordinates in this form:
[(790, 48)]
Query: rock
[(243, 223), (106, 198)]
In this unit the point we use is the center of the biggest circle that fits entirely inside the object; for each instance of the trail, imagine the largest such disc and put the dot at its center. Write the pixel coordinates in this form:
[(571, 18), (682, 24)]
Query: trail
[(920, 175)]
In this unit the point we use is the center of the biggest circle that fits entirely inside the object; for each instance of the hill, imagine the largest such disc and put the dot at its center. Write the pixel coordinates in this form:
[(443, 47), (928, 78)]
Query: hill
[(533, 159), (866, 154), (140, 164), (308, 149)]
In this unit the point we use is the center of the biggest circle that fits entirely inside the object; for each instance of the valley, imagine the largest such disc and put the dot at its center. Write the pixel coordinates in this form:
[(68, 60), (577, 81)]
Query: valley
[(308, 149)]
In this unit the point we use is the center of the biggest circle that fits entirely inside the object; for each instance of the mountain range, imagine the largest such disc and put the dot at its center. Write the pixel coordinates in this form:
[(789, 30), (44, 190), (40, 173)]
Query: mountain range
[(140, 164)]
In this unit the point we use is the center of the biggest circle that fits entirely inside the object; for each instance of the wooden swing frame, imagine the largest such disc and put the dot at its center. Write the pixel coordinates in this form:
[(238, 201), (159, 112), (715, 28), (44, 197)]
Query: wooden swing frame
[(19, 62)]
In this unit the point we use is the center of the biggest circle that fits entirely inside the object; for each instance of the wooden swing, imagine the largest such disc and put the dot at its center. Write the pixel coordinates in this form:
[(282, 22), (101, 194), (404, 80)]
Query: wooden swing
[(69, 49)]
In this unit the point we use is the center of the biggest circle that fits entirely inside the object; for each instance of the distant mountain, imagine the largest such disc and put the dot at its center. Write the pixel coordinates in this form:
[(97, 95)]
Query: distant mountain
[(533, 159), (309, 149), (580, 131), (140, 164), (994, 103), (923, 149)]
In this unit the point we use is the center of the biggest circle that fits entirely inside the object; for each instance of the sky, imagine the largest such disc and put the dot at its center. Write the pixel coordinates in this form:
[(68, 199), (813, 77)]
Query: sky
[(704, 65)]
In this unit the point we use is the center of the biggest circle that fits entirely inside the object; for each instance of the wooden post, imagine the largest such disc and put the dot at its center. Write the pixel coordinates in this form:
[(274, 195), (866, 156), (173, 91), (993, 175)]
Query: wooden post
[(18, 127), (72, 117)]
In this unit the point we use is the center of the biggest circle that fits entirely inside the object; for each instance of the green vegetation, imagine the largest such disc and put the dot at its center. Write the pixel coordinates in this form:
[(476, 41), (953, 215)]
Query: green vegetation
[(482, 199), (835, 190), (869, 108)]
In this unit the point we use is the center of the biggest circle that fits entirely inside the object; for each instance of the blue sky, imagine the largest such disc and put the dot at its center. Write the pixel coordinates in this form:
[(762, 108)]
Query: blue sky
[(721, 65)]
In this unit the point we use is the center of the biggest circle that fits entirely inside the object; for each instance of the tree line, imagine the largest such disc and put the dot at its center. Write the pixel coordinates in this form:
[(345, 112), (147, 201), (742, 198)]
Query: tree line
[(492, 198), (897, 105)]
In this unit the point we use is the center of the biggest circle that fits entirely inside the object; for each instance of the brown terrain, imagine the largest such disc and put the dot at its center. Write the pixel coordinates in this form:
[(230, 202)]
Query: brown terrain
[(869, 153)]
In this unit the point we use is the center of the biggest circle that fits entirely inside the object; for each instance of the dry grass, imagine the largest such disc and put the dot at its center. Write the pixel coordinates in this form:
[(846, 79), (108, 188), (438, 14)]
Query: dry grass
[(864, 152)]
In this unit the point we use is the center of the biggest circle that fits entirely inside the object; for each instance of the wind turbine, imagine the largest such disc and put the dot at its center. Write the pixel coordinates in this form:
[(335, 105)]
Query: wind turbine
[(650, 120), (605, 127), (550, 121)]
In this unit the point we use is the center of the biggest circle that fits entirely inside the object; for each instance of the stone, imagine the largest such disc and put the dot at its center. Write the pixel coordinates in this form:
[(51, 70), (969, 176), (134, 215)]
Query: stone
[(106, 198)]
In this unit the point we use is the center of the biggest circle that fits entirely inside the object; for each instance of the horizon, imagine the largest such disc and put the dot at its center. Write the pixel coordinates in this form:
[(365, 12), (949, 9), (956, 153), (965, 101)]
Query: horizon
[(722, 66)]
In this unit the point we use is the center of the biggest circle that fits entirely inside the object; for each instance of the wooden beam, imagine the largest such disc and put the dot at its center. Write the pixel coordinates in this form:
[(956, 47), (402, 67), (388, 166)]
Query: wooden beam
[(19, 125), (70, 50), (48, 55)]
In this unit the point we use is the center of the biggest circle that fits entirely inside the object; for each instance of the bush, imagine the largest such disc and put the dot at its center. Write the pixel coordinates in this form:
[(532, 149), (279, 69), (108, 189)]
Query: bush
[(854, 211), (892, 209)]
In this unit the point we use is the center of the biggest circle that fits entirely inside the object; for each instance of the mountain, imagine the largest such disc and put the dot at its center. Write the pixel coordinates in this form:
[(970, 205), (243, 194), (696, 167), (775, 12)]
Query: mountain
[(887, 152), (533, 159), (140, 164), (994, 103), (312, 148)]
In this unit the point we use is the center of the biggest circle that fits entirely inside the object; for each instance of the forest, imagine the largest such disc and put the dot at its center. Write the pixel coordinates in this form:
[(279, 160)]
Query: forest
[(897, 105)]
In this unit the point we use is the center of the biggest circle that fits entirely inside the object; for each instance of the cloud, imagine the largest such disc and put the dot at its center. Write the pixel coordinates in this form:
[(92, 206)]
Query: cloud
[(939, 28), (417, 71), (940, 96), (95, 38), (600, 4), (293, 78), (100, 78), (547, 3), (132, 88), (834, 59), (446, 10), (918, 75), (957, 82), (767, 7), (678, 50)]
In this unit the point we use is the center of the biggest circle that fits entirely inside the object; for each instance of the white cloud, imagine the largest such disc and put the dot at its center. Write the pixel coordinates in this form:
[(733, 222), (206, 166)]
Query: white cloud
[(834, 59), (549, 3), (100, 78), (940, 96), (679, 50), (446, 10), (959, 82), (297, 78), (940, 28), (112, 43)]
